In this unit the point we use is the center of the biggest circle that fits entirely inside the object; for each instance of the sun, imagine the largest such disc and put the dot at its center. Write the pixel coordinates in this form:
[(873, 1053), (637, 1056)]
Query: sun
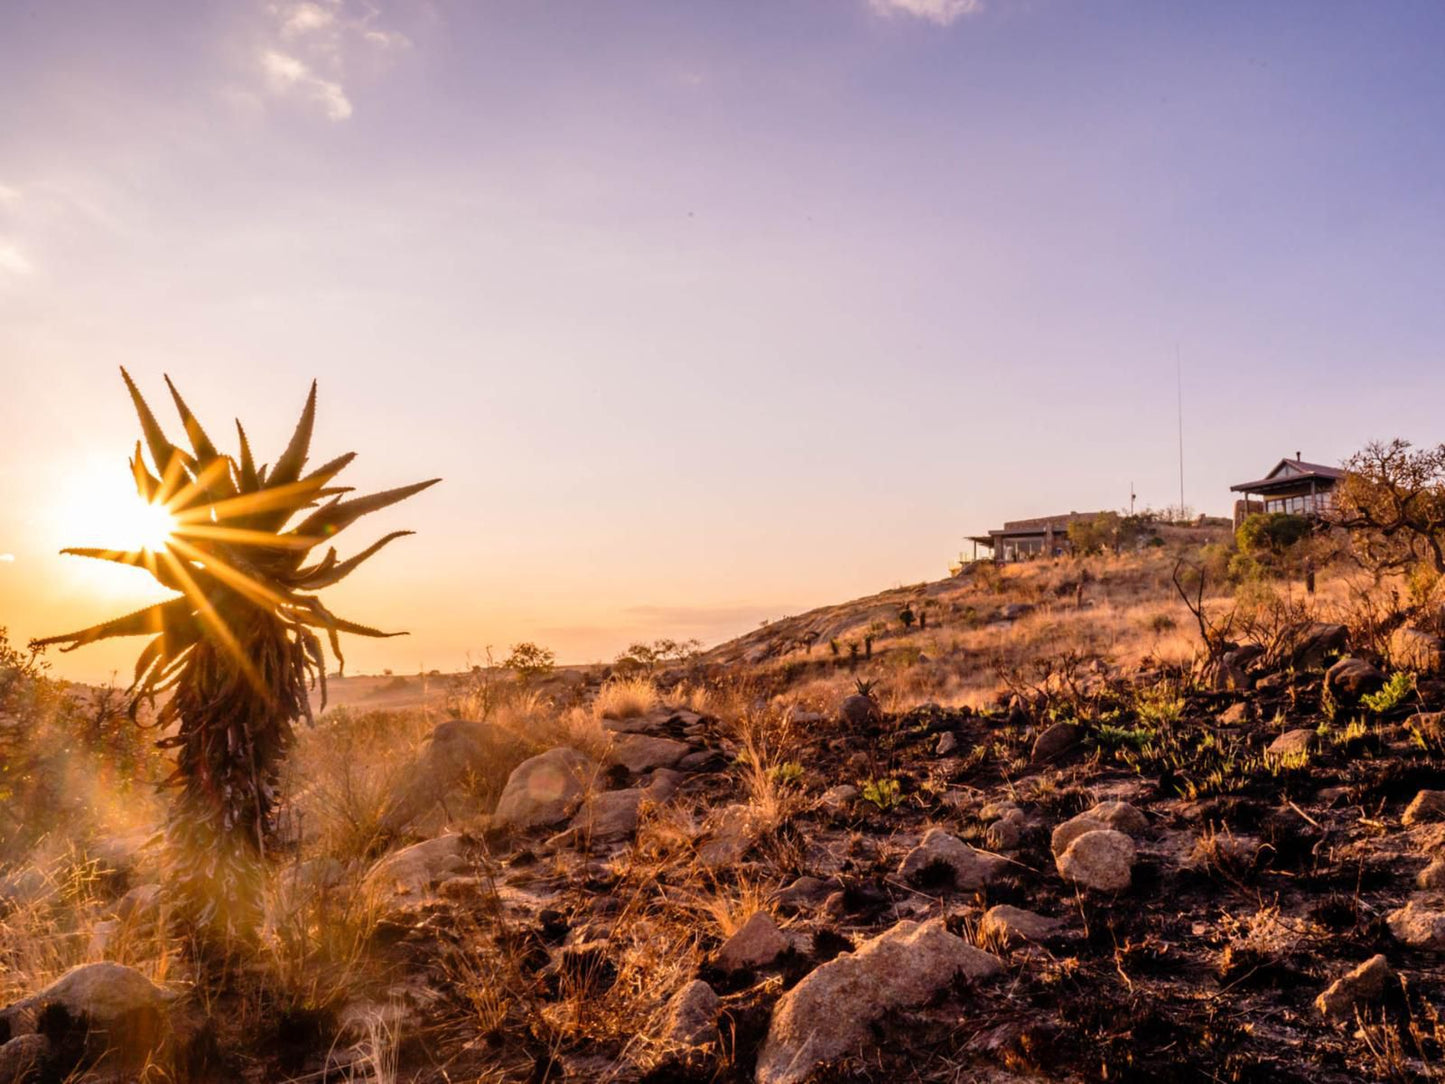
[(146, 526), (100, 506)]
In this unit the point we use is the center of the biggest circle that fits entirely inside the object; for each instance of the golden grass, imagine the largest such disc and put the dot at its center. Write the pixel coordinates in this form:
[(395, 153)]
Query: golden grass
[(625, 698)]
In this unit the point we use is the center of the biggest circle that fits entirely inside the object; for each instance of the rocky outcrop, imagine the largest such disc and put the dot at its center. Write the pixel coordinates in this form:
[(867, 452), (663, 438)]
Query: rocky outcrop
[(640, 753), (458, 750), (827, 1015)]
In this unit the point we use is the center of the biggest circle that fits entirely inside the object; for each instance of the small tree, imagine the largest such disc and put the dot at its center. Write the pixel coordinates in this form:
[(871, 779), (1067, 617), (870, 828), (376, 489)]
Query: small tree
[(530, 661), (907, 616), (1272, 533), (1392, 502)]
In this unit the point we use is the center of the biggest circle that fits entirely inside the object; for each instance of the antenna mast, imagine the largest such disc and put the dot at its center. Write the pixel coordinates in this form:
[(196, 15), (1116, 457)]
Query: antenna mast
[(1179, 392)]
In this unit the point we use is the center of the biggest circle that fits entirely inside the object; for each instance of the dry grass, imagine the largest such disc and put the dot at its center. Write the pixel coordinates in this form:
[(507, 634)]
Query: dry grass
[(625, 698)]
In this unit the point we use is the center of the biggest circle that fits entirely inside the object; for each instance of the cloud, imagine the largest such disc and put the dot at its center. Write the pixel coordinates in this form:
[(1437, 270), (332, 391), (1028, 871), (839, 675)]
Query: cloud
[(13, 261), (285, 73), (7, 558), (942, 12), (313, 46)]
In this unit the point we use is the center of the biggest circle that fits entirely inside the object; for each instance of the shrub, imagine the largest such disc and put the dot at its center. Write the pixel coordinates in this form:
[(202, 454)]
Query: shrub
[(1272, 533), (530, 661), (625, 698)]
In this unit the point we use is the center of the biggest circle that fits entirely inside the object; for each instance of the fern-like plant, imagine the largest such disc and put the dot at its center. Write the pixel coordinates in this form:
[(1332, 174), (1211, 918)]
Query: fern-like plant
[(239, 646)]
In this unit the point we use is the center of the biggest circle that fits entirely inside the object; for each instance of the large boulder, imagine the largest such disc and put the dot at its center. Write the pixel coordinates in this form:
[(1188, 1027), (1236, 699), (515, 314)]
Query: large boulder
[(1318, 644), (118, 1012), (411, 873), (640, 753), (545, 789), (1056, 741), (456, 752), (1102, 860), (828, 1015), (1417, 650), (940, 852), (1351, 678)]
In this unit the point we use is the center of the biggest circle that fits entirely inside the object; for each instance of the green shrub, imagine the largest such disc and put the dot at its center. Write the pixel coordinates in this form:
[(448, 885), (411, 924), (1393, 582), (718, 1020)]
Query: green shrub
[(1271, 533)]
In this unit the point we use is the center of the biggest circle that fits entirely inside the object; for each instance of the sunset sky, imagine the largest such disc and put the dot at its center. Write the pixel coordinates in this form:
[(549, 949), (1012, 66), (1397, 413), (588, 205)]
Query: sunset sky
[(706, 312)]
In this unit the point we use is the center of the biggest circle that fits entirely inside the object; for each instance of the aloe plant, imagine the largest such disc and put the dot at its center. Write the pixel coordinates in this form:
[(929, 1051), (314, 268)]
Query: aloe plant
[(239, 646)]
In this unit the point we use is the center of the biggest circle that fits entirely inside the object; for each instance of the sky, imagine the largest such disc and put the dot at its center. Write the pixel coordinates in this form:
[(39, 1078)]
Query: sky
[(706, 312)]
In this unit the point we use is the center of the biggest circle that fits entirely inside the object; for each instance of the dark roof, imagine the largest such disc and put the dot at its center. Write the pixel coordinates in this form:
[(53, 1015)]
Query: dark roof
[(1301, 471), (1042, 524)]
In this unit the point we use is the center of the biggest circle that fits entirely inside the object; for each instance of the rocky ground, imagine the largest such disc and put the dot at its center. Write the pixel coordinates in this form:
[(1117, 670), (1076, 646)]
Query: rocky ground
[(1104, 874)]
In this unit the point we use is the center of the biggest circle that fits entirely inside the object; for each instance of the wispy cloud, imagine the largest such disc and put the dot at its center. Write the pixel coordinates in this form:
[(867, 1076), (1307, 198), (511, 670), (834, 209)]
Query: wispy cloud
[(7, 558), (942, 12), (313, 44)]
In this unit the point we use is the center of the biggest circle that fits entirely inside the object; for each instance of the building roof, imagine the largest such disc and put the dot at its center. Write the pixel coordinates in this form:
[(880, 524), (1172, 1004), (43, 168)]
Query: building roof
[(1040, 525), (1289, 472)]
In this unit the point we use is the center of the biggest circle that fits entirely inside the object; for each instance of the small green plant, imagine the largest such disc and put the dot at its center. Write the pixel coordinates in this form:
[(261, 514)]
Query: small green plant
[(883, 794), (1159, 705), (1116, 737), (1395, 692), (789, 772), (864, 687)]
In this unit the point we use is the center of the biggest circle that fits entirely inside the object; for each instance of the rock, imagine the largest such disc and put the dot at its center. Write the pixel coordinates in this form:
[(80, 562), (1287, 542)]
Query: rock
[(25, 888), (1006, 833), (804, 892), (456, 750), (1352, 678), (1234, 715), (118, 1011), (1071, 830), (1318, 643), (545, 789), (1122, 817), (1102, 860), (1006, 925), (1432, 877), (734, 830), (640, 753), (1365, 985), (1418, 924), (23, 1058), (1428, 805), (614, 814), (141, 903), (859, 711), (839, 797), (1055, 742), (1015, 610), (808, 718), (1292, 743), (702, 760), (756, 944), (998, 810), (828, 1014), (970, 868), (411, 872), (947, 744), (692, 1016), (1417, 650)]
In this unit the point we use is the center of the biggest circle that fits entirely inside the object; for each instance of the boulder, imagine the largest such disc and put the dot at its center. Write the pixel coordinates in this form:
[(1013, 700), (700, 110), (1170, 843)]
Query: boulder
[(456, 751), (640, 753), (1006, 925), (122, 1012), (1102, 860), (1234, 715), (1428, 805), (23, 1059), (1055, 742), (804, 892), (1006, 833), (1292, 743), (839, 797), (1417, 650), (733, 831), (1351, 678), (412, 872), (1120, 816), (692, 1016), (947, 744), (828, 1015), (1432, 877), (545, 789), (1317, 644), (938, 850), (1071, 830), (1365, 985), (756, 944), (1419, 924), (859, 711)]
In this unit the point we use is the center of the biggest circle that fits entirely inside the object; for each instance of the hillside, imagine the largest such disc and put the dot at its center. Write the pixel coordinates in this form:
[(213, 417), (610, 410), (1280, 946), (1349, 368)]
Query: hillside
[(1042, 849)]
